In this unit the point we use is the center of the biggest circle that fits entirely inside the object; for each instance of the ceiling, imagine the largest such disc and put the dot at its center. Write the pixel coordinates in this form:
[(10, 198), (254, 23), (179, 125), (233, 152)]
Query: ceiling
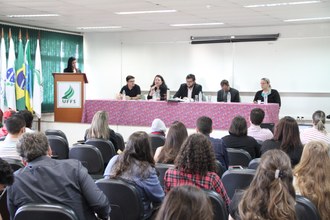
[(91, 13)]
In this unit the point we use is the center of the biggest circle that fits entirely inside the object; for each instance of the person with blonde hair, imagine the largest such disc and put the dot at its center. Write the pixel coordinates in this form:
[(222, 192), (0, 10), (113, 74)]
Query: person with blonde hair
[(266, 92), (100, 129), (318, 131), (271, 194), (186, 202), (312, 176)]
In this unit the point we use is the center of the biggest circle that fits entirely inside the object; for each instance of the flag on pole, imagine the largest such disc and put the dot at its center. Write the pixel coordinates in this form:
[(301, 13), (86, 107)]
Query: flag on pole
[(10, 75), (20, 75), (37, 83), (3, 68), (28, 74)]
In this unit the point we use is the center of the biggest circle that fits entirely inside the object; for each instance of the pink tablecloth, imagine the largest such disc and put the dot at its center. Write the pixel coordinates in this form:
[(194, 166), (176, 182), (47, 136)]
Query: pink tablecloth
[(142, 113)]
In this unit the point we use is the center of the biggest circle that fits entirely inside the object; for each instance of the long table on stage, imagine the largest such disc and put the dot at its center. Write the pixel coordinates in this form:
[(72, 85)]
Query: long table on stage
[(142, 113)]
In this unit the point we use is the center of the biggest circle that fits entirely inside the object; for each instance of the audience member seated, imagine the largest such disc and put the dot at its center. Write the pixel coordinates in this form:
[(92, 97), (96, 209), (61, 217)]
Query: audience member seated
[(158, 89), (28, 117), (270, 194), (195, 165), (6, 179), (6, 115), (45, 180), (266, 91), (204, 126), (189, 89), (318, 131), (186, 202), (286, 138), (15, 125), (312, 176), (100, 129), (257, 115), (176, 135), (225, 89), (158, 127), (137, 166), (239, 139), (132, 90)]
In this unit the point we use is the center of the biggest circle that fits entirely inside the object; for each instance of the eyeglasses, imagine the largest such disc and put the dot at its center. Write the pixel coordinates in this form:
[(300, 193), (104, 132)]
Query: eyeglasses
[(131, 81)]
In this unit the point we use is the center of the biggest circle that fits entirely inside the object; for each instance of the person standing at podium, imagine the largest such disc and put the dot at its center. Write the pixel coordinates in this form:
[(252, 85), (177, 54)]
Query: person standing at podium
[(72, 66)]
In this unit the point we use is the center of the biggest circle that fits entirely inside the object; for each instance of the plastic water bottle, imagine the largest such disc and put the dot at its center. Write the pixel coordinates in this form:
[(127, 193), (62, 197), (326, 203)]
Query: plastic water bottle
[(168, 94), (124, 95), (228, 97), (266, 99), (200, 97)]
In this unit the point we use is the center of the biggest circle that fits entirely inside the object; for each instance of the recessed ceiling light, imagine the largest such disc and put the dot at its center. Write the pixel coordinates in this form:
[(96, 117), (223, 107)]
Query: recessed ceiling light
[(30, 16), (196, 24), (281, 4), (307, 19), (94, 28), (144, 12)]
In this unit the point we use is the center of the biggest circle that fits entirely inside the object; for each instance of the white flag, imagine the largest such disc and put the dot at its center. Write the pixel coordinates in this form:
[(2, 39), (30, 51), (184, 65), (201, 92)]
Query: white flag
[(38, 90), (10, 77), (3, 68)]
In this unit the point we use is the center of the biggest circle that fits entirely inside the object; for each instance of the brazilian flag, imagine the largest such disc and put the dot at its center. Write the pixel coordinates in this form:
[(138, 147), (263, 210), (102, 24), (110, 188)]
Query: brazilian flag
[(20, 76)]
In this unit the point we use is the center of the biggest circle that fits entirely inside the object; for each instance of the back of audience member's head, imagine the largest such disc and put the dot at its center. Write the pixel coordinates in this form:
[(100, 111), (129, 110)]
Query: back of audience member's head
[(287, 132), (204, 125), (138, 148), (257, 115), (313, 175), (196, 155), (6, 174), (319, 120), (28, 117), (99, 126), (186, 202), (176, 135), (15, 124), (32, 145), (270, 194), (238, 126), (158, 126)]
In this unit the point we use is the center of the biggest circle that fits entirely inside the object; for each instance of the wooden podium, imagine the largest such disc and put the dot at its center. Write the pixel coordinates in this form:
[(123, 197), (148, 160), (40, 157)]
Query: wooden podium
[(69, 96)]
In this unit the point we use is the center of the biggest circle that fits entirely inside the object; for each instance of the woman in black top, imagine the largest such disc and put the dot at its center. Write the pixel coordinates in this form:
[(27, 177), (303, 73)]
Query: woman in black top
[(272, 95), (72, 66), (158, 86)]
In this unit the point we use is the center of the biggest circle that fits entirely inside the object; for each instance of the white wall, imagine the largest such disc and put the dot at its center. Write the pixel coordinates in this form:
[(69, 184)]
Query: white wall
[(297, 64)]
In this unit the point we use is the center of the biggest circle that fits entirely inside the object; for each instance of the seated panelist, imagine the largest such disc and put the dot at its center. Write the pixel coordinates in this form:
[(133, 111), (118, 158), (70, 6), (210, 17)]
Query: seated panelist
[(131, 90), (189, 89), (158, 89), (266, 90), (225, 89)]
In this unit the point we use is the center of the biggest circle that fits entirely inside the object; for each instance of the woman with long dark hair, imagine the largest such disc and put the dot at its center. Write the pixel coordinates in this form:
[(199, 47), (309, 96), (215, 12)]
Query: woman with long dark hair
[(72, 66), (158, 86)]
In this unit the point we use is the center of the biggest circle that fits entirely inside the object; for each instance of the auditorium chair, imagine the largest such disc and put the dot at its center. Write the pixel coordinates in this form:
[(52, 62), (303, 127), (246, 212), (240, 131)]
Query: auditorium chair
[(234, 179), (161, 170), (59, 146), (124, 197), (3, 205), (106, 148), (91, 157), (15, 164), (57, 133), (254, 163), (156, 141), (238, 157), (45, 211), (219, 206), (120, 141), (305, 209), (219, 168)]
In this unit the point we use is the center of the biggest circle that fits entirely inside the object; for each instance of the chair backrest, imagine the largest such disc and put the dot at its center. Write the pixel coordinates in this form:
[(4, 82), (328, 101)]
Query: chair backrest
[(15, 164), (57, 133), (219, 206), (125, 200), (59, 146), (270, 126), (3, 205), (220, 168), (238, 157), (45, 211), (305, 209), (156, 141), (161, 170), (105, 147), (254, 163), (120, 141), (235, 179), (89, 156)]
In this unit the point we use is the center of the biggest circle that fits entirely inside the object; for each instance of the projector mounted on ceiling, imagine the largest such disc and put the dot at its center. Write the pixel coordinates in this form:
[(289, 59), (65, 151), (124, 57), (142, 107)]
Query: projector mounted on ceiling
[(233, 38)]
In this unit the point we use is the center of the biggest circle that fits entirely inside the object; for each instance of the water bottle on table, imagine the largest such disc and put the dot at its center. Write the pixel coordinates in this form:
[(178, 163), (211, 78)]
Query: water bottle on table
[(228, 97), (124, 95), (200, 97)]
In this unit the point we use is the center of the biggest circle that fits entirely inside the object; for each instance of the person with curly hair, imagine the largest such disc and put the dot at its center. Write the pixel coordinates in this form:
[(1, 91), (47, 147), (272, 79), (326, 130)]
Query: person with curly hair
[(176, 135), (271, 194), (186, 202), (6, 177), (312, 176), (195, 165)]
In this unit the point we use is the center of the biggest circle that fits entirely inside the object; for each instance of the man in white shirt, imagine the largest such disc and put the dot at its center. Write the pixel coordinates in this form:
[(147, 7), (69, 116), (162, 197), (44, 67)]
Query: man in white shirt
[(260, 134)]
